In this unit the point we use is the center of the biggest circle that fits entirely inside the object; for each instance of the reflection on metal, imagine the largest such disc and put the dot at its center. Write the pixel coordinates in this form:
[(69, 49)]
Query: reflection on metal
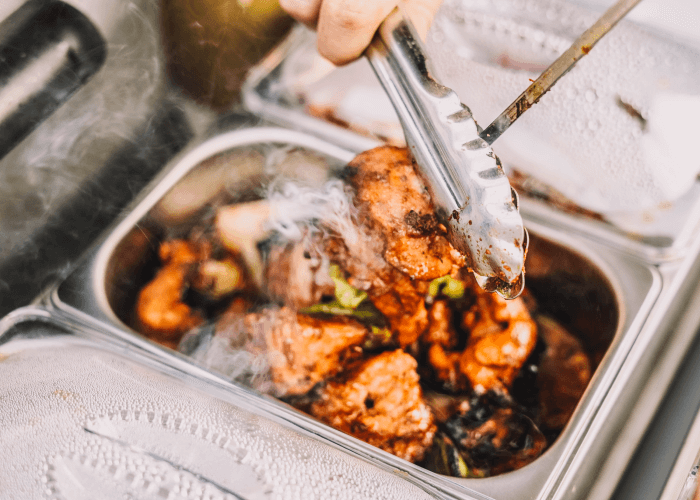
[(465, 179), (47, 52)]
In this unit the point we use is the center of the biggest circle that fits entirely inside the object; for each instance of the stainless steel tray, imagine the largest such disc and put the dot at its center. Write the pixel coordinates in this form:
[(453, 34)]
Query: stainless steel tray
[(92, 417), (98, 295)]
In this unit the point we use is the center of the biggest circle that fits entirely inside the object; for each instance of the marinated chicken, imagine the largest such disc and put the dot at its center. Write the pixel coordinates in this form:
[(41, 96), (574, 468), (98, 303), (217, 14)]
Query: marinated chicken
[(305, 350), (501, 337), (397, 213), (160, 311), (395, 207), (369, 321), (380, 402)]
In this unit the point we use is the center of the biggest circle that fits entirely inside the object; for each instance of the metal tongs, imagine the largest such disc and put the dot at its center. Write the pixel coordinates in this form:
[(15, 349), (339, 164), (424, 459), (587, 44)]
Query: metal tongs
[(470, 190)]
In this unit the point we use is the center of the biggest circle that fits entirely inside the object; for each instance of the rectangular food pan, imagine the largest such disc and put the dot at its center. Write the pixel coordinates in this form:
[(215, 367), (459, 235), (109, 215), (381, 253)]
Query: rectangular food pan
[(602, 295)]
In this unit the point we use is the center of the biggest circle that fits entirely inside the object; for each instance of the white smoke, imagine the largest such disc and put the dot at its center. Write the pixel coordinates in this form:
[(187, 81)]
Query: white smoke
[(297, 210)]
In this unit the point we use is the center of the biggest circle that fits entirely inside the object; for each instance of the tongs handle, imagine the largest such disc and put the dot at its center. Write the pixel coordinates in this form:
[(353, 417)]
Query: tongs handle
[(467, 184), (399, 61), (564, 63)]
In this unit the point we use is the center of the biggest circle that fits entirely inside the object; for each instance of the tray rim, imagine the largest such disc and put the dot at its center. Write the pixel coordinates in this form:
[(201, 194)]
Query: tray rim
[(626, 333)]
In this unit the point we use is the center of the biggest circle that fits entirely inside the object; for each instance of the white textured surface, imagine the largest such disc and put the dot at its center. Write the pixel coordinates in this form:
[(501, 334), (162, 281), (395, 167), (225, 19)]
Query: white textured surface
[(578, 138), (80, 423)]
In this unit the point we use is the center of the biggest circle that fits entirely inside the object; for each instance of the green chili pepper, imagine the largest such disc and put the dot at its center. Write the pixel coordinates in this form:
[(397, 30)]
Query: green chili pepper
[(448, 286)]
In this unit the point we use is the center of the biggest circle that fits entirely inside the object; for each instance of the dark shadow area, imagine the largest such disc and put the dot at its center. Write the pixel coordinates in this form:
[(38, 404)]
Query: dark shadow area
[(50, 252), (647, 472)]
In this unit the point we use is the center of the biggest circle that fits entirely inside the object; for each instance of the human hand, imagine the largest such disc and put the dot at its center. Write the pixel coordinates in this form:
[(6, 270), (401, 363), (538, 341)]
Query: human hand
[(346, 27)]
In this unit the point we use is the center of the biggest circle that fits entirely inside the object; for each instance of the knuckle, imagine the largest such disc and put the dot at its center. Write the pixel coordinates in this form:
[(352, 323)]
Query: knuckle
[(348, 15), (352, 19)]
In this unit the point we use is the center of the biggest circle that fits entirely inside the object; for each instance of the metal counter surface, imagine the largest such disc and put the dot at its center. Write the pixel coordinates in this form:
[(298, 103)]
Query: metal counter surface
[(54, 232)]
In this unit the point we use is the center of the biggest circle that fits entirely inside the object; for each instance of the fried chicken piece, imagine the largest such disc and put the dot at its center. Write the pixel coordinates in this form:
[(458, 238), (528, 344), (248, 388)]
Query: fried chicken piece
[(304, 350), (398, 224), (442, 339), (297, 276), (502, 336), (403, 305), (564, 373), (400, 245), (400, 299), (380, 402), (493, 435), (395, 207), (160, 312), (445, 366)]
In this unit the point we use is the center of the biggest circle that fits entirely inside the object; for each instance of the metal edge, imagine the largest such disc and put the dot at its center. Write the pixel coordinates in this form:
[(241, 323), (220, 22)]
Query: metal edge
[(588, 434), (608, 235), (22, 315), (233, 139), (688, 458), (664, 339)]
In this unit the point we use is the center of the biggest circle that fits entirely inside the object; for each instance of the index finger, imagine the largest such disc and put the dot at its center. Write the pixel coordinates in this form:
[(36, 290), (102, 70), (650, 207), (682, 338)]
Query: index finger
[(346, 27)]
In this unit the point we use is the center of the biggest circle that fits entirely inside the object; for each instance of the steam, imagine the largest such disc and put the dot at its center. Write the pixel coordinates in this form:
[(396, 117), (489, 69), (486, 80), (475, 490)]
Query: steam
[(219, 354), (51, 164), (298, 210), (299, 213)]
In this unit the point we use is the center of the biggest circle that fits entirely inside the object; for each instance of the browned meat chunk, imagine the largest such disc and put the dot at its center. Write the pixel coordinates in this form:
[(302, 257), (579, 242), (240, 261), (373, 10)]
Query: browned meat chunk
[(297, 276), (400, 299), (395, 207), (501, 337), (160, 312), (442, 339), (400, 245), (563, 374), (380, 402), (304, 350), (445, 365), (403, 305)]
